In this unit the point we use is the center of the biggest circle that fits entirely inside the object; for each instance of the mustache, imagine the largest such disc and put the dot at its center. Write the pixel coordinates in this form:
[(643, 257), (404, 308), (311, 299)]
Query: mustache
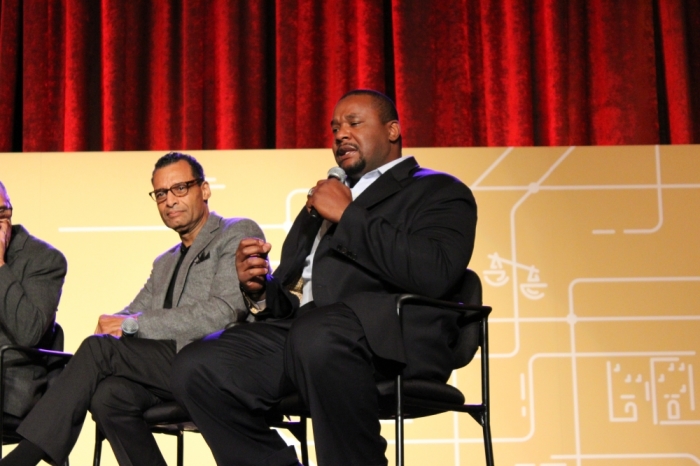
[(344, 149)]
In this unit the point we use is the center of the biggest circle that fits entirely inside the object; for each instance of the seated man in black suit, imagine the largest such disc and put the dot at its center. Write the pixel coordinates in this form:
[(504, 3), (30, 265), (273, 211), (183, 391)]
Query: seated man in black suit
[(326, 319), (31, 278)]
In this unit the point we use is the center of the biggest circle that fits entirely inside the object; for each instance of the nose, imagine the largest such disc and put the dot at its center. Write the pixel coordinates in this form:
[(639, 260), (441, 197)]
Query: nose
[(341, 133), (170, 199)]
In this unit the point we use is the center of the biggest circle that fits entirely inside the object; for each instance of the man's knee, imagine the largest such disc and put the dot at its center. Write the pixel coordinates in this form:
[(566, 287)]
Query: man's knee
[(319, 335), (187, 369), (95, 346), (113, 394)]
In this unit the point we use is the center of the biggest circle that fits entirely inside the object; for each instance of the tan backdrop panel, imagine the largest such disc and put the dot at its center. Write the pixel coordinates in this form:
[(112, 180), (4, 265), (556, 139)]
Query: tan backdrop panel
[(589, 256)]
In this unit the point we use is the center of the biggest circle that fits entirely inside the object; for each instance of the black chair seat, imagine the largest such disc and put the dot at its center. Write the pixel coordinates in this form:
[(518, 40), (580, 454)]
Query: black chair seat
[(10, 424), (166, 418), (420, 398), (290, 405), (170, 417), (420, 388)]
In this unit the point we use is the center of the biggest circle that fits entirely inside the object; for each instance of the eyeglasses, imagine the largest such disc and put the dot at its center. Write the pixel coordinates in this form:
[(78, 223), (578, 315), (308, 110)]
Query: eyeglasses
[(179, 190), (5, 212)]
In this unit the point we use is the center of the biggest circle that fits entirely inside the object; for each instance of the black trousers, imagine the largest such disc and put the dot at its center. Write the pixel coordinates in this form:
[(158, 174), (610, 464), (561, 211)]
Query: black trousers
[(230, 379), (117, 380)]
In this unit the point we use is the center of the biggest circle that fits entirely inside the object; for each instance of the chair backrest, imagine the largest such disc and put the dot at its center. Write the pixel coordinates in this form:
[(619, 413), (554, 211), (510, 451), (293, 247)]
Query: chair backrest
[(55, 364), (469, 292)]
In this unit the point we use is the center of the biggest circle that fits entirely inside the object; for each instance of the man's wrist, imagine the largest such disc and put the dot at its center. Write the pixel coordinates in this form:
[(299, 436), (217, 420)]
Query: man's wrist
[(254, 301), (254, 296)]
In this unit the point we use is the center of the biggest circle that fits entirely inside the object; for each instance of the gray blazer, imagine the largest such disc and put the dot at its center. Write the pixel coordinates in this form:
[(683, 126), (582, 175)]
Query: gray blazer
[(206, 296), (30, 288)]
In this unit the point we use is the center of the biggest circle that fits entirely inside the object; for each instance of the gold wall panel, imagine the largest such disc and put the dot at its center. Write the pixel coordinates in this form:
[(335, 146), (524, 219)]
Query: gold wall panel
[(589, 256)]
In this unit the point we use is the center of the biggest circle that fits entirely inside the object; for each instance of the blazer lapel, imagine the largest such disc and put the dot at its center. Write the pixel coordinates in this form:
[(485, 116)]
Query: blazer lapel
[(388, 184), (195, 254), (19, 237), (297, 246), (162, 280)]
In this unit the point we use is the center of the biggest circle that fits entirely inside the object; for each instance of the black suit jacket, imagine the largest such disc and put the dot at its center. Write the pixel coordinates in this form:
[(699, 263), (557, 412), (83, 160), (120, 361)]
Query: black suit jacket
[(411, 231)]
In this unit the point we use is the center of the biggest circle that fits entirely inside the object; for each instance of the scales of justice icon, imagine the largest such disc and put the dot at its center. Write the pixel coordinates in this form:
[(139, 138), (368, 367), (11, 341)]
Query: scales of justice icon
[(496, 275)]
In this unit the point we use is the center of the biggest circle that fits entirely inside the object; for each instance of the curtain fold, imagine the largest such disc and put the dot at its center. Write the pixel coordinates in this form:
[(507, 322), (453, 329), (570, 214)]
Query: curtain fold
[(85, 75), (10, 71)]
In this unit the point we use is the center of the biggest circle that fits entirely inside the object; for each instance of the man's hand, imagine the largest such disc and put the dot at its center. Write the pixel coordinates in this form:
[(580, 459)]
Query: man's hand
[(330, 198), (110, 325), (252, 266), (5, 237)]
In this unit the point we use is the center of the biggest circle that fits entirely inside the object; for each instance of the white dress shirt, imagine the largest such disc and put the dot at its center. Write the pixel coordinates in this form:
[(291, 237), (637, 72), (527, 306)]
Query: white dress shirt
[(362, 184)]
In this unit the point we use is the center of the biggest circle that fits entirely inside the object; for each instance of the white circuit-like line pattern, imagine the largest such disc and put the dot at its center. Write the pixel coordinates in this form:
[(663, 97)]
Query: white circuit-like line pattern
[(527, 379)]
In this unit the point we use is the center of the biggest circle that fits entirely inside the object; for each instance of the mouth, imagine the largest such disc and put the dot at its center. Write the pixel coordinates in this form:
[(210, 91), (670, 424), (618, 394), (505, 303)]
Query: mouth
[(344, 151)]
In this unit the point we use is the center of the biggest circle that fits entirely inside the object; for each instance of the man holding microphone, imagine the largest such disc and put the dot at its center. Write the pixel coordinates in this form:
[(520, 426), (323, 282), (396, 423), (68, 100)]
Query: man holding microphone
[(326, 323)]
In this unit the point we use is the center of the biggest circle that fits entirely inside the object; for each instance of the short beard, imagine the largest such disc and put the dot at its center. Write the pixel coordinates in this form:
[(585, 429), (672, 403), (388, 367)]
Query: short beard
[(356, 169)]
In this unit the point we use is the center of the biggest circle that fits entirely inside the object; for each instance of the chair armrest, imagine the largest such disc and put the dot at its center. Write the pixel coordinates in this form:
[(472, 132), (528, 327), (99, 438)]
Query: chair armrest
[(469, 312), (32, 352)]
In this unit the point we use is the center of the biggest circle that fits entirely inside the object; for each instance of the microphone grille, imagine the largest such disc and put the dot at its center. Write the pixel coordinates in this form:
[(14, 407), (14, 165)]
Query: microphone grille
[(337, 173), (130, 326)]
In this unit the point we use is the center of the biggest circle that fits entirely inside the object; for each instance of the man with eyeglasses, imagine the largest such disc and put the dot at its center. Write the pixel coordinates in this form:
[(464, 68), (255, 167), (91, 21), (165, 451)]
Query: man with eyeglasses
[(192, 291), (31, 278)]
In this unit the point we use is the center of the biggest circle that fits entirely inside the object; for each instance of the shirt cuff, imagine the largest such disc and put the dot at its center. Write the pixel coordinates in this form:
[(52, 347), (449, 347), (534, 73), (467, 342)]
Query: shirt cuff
[(254, 306)]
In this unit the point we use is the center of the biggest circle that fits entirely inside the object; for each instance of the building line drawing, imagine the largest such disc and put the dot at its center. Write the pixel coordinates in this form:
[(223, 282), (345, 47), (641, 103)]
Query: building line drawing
[(505, 269)]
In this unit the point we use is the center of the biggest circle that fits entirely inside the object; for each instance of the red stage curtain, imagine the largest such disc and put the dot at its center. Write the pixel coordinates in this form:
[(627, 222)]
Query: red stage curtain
[(80, 75)]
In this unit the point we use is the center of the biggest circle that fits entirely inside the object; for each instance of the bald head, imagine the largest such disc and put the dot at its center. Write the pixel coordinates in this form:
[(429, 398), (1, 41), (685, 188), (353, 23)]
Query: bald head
[(384, 105), (4, 197)]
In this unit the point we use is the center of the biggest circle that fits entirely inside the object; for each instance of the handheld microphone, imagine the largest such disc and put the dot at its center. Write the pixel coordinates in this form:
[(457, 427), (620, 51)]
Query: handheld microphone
[(337, 173), (130, 327)]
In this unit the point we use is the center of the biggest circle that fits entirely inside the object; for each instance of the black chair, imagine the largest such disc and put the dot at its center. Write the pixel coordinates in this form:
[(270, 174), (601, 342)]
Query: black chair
[(416, 398), (171, 419), (52, 359), (413, 398), (166, 418)]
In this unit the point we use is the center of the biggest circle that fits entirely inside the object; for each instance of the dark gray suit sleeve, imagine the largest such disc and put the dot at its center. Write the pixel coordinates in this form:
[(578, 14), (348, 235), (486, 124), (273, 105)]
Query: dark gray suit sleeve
[(28, 306)]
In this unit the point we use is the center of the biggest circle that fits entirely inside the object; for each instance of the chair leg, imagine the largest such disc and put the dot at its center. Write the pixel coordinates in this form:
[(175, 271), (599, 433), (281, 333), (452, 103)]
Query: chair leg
[(304, 442), (488, 448), (180, 448), (399, 421), (98, 446), (485, 392)]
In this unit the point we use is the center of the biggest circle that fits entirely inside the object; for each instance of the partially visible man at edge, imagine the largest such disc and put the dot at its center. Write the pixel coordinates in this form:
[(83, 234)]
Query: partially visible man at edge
[(32, 273), (326, 319), (191, 292)]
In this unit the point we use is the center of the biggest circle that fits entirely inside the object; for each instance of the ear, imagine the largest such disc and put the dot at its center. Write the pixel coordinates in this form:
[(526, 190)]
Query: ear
[(206, 190), (394, 130)]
